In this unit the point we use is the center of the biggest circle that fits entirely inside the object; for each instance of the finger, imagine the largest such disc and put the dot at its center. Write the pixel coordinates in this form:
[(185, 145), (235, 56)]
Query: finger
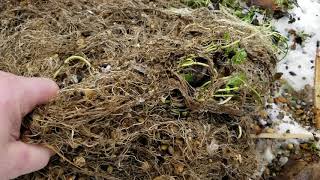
[(25, 158), (25, 93), (35, 91)]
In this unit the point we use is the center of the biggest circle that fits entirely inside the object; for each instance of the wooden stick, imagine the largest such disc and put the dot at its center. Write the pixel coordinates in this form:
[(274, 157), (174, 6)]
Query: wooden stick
[(317, 87), (282, 136)]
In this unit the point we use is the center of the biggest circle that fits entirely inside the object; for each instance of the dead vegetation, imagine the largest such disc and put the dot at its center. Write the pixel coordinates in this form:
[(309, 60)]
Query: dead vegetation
[(147, 91)]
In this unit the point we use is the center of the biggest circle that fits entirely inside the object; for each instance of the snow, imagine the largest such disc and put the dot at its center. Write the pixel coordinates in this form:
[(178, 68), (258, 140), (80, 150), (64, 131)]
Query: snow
[(301, 60), (287, 124)]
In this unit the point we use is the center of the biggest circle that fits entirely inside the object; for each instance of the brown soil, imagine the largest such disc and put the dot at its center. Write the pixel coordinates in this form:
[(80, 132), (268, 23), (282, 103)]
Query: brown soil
[(127, 111)]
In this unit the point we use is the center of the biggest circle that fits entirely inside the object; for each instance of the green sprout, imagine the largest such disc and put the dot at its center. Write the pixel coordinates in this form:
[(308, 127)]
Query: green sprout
[(231, 49), (239, 55), (191, 61), (188, 77), (314, 147), (233, 4), (234, 84), (67, 62), (196, 3), (280, 42)]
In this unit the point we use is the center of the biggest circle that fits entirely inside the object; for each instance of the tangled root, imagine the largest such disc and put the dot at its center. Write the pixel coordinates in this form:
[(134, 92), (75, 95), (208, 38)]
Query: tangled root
[(148, 88)]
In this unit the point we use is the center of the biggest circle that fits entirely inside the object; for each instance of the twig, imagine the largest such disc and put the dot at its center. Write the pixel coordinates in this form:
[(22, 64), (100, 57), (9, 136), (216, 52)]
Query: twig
[(282, 136), (317, 87)]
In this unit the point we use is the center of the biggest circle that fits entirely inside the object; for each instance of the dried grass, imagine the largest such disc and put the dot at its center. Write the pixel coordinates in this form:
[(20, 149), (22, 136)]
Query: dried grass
[(127, 113)]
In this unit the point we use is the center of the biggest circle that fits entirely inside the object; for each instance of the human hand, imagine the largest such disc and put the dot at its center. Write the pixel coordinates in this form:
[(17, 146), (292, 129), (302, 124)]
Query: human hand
[(18, 96)]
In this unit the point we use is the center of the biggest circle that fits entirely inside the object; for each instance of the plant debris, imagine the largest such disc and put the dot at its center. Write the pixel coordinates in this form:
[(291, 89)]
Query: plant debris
[(148, 91)]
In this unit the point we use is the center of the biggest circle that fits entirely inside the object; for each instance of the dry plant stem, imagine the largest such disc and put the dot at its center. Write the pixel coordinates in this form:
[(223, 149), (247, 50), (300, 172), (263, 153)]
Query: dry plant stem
[(317, 87), (282, 136)]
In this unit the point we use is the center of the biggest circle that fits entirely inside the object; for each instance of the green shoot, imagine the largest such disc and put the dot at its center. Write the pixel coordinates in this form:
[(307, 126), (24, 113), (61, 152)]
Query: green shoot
[(196, 3), (68, 60), (234, 84), (248, 16), (233, 4), (211, 47), (227, 36), (314, 147), (190, 61), (232, 50), (280, 42), (236, 80), (240, 56), (188, 77), (228, 89)]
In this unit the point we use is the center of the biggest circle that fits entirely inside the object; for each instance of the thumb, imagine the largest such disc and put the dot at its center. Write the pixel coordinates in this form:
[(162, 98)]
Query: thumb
[(25, 158)]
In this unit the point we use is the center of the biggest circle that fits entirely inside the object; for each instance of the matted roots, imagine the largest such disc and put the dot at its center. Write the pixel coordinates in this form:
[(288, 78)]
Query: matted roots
[(150, 91)]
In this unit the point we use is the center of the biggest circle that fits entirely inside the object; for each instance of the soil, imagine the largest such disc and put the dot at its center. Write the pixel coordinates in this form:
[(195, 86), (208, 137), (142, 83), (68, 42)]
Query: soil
[(125, 108)]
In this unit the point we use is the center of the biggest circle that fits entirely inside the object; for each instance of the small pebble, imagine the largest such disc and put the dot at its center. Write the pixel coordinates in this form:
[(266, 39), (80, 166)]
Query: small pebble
[(290, 146), (286, 153), (283, 161), (304, 78), (299, 66), (304, 117), (292, 73), (293, 103), (164, 147), (110, 169), (269, 106), (270, 100), (269, 122), (299, 101), (299, 112), (263, 114), (287, 67), (286, 109), (288, 131), (280, 116), (280, 100)]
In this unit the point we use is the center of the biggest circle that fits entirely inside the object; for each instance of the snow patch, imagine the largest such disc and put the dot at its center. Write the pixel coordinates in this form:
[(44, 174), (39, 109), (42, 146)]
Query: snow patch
[(301, 60)]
